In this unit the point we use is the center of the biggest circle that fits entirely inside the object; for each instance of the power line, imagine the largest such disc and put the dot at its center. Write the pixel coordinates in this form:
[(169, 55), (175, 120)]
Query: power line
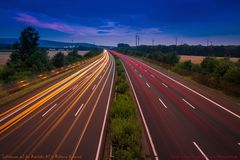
[(176, 41), (137, 40)]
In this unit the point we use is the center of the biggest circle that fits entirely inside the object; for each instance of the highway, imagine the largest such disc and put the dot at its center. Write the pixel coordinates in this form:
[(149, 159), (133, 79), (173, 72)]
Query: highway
[(181, 120), (66, 120)]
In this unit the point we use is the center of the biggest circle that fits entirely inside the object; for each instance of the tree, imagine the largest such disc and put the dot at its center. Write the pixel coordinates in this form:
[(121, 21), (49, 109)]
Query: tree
[(209, 64), (196, 68), (93, 52), (233, 75), (171, 58), (156, 55), (58, 60), (221, 68), (29, 40), (73, 56), (187, 65), (123, 45), (27, 55), (38, 61)]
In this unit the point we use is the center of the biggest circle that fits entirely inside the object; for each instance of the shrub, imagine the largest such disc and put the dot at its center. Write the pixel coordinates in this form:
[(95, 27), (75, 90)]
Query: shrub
[(233, 75), (187, 65), (221, 68), (196, 68), (209, 64), (121, 87), (58, 59)]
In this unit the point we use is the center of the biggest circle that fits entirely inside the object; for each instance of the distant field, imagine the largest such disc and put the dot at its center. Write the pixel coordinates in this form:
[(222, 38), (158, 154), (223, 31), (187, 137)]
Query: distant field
[(199, 59), (4, 56), (52, 53)]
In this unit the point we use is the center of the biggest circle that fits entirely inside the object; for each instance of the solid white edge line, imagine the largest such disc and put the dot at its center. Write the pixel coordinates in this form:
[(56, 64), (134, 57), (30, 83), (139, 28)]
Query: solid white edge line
[(188, 103), (204, 155), (164, 85), (105, 117), (162, 102), (236, 115), (147, 84), (141, 113), (49, 110), (94, 87), (78, 110)]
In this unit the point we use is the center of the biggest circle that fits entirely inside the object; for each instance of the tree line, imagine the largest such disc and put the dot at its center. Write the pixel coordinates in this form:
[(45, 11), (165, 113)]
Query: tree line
[(28, 58), (198, 50)]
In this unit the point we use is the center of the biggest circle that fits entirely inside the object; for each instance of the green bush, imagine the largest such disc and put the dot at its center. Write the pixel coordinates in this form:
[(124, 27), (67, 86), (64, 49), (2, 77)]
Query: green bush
[(196, 68), (233, 75), (209, 64), (170, 58), (126, 137), (187, 65), (72, 57), (221, 68), (121, 87), (58, 60), (6, 72), (123, 108)]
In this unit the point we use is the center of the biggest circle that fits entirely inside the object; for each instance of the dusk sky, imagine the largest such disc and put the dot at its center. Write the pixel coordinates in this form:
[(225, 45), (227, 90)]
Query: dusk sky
[(109, 22)]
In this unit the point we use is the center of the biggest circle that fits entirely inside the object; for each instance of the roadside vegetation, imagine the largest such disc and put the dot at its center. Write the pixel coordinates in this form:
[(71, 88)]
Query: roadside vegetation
[(221, 74), (125, 128), (216, 73), (27, 59)]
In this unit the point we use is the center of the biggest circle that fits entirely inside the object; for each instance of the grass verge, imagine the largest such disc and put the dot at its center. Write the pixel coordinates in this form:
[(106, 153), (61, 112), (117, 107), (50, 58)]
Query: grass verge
[(125, 128)]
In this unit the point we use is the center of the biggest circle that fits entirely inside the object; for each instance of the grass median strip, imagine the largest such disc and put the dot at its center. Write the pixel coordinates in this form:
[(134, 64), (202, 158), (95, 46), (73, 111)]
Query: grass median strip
[(125, 127)]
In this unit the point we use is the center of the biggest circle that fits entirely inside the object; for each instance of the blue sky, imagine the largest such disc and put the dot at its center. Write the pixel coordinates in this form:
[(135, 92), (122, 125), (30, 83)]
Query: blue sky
[(108, 22)]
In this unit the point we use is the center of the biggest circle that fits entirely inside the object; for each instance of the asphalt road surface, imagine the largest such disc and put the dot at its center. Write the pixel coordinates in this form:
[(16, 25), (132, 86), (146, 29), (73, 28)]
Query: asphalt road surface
[(65, 120), (181, 120)]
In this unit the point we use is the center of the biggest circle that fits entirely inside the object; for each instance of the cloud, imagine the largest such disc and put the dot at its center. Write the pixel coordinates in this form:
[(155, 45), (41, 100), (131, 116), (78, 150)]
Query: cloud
[(103, 32), (110, 28), (22, 17)]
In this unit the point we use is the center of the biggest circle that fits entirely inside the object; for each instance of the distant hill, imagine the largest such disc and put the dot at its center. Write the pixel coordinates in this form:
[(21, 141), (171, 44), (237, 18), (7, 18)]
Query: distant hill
[(8, 42), (55, 44)]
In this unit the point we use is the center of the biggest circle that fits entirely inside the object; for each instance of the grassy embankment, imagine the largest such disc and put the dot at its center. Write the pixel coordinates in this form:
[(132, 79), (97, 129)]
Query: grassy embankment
[(125, 128)]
